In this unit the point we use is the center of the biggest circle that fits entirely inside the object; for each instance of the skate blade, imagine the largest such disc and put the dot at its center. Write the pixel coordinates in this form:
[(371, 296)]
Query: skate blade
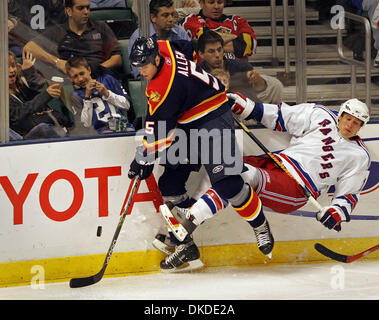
[(162, 247), (188, 266), (178, 230)]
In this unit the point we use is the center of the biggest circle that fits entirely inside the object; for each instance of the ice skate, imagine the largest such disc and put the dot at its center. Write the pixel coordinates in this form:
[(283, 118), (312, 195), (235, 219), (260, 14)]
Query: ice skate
[(185, 258), (164, 244), (179, 222), (265, 239)]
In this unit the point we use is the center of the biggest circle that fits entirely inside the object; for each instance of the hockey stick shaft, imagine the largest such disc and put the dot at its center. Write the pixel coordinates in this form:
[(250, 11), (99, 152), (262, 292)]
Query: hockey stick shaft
[(86, 281), (341, 257), (277, 162)]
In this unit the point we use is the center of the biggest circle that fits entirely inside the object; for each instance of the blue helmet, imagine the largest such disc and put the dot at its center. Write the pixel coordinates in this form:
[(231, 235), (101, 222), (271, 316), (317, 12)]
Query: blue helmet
[(143, 52)]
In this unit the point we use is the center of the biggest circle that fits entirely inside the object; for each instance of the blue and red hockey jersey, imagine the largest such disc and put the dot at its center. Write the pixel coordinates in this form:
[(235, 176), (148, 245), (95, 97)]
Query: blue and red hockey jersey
[(181, 94)]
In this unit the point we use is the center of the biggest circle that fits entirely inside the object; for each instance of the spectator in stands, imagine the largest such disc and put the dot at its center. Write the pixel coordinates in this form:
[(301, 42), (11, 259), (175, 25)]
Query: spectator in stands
[(79, 36), (107, 4), (211, 50), (238, 36), (99, 99), (31, 99), (162, 26), (183, 8)]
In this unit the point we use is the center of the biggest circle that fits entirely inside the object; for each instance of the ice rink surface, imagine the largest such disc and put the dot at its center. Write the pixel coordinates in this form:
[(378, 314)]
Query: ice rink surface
[(324, 281)]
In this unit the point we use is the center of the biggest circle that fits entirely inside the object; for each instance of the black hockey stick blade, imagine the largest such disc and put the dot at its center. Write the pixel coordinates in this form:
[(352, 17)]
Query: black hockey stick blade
[(330, 254), (341, 257), (87, 281)]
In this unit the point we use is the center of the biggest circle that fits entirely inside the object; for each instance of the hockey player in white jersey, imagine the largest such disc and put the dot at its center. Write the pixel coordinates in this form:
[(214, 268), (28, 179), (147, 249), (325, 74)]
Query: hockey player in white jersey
[(324, 151)]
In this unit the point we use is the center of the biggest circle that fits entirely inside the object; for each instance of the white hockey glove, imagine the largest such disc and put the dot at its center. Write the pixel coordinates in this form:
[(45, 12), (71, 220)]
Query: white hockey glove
[(331, 217), (242, 106)]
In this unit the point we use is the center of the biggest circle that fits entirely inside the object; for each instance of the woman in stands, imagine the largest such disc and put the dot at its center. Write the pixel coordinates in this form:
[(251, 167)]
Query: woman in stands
[(29, 95)]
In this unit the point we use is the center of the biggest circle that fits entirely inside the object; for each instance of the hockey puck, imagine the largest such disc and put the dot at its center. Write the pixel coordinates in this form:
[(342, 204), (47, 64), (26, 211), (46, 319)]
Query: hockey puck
[(99, 229)]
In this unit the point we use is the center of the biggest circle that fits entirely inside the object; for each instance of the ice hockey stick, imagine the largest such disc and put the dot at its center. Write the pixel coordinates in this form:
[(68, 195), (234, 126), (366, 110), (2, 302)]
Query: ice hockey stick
[(341, 257), (86, 281)]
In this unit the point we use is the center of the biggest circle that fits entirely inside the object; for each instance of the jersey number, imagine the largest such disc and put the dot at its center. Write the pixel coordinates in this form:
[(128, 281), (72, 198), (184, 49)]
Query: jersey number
[(101, 107), (204, 76), (149, 127)]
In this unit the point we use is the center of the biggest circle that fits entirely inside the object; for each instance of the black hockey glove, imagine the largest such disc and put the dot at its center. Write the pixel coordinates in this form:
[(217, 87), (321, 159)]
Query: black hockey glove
[(143, 170), (141, 166)]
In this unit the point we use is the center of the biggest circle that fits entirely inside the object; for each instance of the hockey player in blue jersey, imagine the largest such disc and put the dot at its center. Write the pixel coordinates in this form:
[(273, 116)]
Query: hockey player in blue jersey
[(183, 98), (100, 99)]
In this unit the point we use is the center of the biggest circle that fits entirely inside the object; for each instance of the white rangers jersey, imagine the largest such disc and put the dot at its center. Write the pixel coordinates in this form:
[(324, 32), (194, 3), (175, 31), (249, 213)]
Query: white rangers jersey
[(317, 156)]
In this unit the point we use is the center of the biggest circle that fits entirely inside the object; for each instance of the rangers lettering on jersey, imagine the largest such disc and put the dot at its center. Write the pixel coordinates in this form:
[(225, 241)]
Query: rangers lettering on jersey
[(317, 153), (326, 148)]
